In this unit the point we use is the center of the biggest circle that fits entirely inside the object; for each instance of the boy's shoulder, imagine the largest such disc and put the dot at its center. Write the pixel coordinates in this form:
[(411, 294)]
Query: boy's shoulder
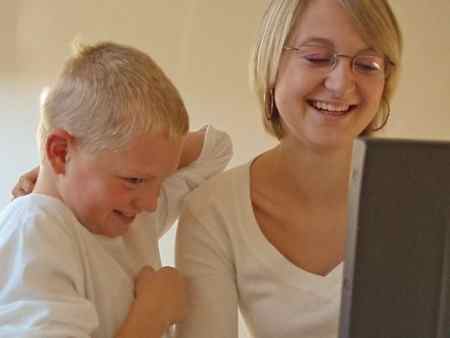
[(36, 214)]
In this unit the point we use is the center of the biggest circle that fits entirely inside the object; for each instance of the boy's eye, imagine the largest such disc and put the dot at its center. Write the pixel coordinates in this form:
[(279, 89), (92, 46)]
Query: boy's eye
[(134, 180)]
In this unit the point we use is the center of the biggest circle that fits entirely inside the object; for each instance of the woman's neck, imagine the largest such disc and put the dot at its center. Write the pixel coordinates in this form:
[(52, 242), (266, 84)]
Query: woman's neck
[(316, 175)]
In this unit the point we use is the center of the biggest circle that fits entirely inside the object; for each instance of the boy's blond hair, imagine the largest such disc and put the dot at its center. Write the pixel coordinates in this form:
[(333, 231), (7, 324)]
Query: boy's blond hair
[(374, 20), (106, 94)]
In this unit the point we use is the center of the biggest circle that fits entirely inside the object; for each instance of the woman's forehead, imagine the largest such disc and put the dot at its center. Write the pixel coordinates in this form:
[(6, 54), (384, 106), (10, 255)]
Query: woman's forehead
[(329, 23)]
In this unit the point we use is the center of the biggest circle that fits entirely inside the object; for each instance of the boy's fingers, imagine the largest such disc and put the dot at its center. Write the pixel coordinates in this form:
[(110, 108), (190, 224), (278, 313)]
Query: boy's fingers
[(17, 192), (27, 185), (145, 271), (24, 186)]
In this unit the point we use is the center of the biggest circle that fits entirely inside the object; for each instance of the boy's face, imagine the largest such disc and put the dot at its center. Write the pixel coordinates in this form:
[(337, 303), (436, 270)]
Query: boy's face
[(106, 191)]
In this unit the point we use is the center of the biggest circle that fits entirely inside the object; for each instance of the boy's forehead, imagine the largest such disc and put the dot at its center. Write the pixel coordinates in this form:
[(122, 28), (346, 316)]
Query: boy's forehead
[(149, 154)]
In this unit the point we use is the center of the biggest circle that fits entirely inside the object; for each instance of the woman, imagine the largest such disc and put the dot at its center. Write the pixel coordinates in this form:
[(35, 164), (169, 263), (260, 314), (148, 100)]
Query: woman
[(268, 237)]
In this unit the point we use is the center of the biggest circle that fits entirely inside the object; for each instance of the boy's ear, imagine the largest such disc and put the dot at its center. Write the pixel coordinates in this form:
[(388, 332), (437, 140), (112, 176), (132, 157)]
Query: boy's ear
[(58, 149)]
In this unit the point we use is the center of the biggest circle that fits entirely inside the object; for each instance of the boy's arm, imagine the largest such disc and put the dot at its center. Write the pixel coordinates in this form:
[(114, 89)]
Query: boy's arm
[(215, 153), (138, 325), (39, 282), (192, 147), (42, 282), (213, 161), (25, 183), (191, 151)]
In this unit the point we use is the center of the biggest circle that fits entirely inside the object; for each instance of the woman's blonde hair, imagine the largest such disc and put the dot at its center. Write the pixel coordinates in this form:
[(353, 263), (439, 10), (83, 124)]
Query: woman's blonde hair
[(374, 21), (106, 94)]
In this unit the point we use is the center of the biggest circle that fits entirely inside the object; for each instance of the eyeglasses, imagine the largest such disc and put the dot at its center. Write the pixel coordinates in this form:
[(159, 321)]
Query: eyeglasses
[(368, 65)]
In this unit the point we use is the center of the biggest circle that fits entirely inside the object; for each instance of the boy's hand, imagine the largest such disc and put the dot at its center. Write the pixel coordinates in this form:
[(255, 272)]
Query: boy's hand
[(161, 292), (192, 147), (160, 301), (25, 184)]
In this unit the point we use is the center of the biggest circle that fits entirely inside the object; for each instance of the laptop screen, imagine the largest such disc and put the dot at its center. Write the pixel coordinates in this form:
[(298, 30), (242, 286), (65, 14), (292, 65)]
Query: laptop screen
[(397, 265)]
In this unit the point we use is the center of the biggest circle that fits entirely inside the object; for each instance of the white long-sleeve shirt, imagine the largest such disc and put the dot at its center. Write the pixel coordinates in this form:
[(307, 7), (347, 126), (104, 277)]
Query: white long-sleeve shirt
[(57, 279), (230, 264)]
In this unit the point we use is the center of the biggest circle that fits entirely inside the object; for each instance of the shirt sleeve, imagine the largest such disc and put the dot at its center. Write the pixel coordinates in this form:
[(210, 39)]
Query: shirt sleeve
[(41, 284), (204, 257), (216, 153)]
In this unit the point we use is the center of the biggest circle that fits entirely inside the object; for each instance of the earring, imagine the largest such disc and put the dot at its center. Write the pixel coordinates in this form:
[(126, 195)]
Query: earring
[(269, 106), (385, 121)]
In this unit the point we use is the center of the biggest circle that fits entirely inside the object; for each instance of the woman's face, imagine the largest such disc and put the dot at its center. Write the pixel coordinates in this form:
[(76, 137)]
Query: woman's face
[(320, 105)]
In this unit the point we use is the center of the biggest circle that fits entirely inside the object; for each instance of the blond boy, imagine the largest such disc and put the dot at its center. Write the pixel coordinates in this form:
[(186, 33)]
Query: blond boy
[(80, 254)]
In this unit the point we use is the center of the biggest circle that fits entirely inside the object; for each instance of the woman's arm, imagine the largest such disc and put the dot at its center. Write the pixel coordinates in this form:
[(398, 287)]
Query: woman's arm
[(204, 257)]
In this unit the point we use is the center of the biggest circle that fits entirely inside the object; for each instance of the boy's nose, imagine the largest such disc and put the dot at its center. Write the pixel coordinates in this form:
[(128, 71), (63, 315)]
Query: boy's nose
[(147, 201)]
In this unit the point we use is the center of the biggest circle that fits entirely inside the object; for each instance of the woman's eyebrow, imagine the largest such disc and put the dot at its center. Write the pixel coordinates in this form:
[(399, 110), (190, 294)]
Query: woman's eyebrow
[(317, 41)]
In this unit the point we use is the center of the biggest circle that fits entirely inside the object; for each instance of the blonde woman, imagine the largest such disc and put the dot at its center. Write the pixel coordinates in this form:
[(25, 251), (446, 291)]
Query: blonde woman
[(268, 237)]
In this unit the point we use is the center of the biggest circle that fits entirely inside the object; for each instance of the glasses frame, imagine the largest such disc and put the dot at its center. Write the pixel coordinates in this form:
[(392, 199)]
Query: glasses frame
[(388, 63)]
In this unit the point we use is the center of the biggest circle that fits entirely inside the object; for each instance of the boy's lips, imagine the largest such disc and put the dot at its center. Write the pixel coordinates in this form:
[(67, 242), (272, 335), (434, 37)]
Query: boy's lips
[(126, 217)]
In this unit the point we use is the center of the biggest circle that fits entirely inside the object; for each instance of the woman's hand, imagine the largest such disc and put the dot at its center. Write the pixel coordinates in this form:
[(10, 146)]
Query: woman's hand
[(25, 184)]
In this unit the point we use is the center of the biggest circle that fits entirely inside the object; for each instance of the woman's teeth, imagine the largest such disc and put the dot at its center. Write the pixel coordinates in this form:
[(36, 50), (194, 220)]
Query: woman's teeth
[(331, 107)]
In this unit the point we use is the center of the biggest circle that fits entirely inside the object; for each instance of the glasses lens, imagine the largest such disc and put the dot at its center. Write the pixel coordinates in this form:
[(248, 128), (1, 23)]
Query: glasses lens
[(369, 65)]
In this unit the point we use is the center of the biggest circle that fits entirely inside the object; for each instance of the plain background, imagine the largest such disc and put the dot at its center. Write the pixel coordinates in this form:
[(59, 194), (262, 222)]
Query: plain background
[(204, 46)]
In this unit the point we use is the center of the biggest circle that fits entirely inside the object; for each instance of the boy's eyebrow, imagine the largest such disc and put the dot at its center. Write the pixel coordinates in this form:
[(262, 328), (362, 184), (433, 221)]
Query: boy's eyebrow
[(137, 173), (146, 175)]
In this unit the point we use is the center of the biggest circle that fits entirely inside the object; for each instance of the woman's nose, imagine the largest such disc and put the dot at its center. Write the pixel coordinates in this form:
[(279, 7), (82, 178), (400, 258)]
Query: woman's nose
[(341, 80)]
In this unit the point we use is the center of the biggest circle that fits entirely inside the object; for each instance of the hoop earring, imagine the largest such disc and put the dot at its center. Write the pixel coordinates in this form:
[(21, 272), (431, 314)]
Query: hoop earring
[(269, 113), (385, 121)]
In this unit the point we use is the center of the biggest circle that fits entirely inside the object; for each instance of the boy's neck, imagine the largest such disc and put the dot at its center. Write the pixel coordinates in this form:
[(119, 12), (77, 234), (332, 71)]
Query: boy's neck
[(46, 183)]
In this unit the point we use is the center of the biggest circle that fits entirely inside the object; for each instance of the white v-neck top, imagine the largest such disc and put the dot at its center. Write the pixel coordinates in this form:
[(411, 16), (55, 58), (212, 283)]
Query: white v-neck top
[(230, 264)]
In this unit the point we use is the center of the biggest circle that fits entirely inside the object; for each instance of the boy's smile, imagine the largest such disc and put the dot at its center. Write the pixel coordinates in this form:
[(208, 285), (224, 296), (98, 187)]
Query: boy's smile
[(107, 190)]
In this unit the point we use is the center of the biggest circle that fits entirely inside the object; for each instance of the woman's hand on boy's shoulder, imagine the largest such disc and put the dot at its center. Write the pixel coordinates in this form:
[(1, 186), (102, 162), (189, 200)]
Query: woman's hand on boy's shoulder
[(25, 183)]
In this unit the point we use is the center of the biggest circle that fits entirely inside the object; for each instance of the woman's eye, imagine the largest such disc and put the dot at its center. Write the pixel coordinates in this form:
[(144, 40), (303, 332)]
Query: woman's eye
[(369, 64), (367, 68), (318, 59)]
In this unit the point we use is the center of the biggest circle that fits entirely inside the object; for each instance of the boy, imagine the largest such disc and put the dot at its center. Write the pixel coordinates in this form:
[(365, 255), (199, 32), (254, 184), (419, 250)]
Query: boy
[(78, 254)]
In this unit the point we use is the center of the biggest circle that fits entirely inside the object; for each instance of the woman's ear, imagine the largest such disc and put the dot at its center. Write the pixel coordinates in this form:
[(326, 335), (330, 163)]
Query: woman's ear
[(58, 149)]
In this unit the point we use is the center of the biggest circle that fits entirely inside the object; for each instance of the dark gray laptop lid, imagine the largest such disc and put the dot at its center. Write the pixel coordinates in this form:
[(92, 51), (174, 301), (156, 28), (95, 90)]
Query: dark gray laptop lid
[(397, 265)]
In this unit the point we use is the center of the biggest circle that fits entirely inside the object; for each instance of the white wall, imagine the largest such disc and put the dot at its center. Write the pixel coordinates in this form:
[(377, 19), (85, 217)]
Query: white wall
[(204, 46), (422, 105)]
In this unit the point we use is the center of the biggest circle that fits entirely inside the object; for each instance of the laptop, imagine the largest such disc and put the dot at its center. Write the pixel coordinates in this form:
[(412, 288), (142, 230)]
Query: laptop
[(396, 280)]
